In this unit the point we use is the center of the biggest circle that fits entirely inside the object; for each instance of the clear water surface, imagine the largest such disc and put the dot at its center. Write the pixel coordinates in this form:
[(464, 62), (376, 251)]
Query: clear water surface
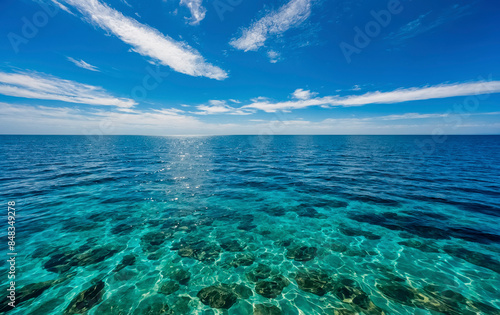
[(253, 225)]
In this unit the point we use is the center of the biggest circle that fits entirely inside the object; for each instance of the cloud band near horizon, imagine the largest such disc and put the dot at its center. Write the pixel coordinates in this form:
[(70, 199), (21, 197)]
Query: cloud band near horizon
[(396, 96)]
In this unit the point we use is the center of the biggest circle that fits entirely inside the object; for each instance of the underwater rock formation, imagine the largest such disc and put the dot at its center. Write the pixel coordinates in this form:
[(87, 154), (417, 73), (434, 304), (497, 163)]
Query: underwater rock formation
[(271, 288), (424, 247), (314, 281), (355, 232), (152, 241), (62, 262), (32, 291), (128, 260), (152, 305), (301, 253), (415, 225), (233, 245), (180, 306), (476, 258), (337, 247), (168, 287), (94, 256), (266, 309), (242, 260), (86, 299), (241, 291), (260, 272), (197, 249), (349, 291), (309, 212), (178, 274), (201, 252), (436, 299), (220, 296), (246, 223), (122, 229)]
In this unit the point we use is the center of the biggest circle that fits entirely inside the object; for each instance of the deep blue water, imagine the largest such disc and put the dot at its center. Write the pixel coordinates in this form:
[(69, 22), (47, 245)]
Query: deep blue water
[(209, 225)]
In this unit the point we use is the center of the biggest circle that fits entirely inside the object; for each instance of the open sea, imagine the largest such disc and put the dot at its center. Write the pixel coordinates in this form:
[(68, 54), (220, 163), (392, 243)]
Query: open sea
[(260, 225)]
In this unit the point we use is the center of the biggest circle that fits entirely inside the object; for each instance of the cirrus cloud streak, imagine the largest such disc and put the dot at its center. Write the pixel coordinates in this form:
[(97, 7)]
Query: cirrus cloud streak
[(84, 65), (396, 96), (148, 41), (288, 16), (45, 87)]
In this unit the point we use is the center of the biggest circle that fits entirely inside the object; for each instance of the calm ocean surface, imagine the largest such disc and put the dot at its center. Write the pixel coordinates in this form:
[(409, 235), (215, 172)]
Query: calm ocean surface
[(253, 225)]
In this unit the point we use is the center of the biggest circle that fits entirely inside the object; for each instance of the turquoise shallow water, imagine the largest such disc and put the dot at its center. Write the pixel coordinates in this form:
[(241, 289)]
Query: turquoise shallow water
[(253, 225)]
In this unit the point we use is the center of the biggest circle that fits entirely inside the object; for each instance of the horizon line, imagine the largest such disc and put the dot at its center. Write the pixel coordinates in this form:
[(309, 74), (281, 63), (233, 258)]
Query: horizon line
[(253, 135)]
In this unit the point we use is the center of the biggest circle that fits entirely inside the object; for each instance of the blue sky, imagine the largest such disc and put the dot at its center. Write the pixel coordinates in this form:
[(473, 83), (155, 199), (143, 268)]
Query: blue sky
[(190, 67)]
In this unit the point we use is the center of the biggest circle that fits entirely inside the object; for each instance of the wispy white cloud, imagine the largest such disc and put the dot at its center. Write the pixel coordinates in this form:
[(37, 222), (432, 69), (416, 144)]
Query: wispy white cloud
[(428, 21), (45, 87), (62, 7), (412, 29), (197, 10), (277, 22), (422, 93), (301, 94), (82, 64), (397, 96), (411, 116), (25, 119), (216, 107), (126, 3), (148, 41), (273, 56)]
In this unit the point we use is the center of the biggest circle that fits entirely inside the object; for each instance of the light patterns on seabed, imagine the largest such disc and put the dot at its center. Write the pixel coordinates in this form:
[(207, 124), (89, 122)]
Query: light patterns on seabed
[(324, 225)]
